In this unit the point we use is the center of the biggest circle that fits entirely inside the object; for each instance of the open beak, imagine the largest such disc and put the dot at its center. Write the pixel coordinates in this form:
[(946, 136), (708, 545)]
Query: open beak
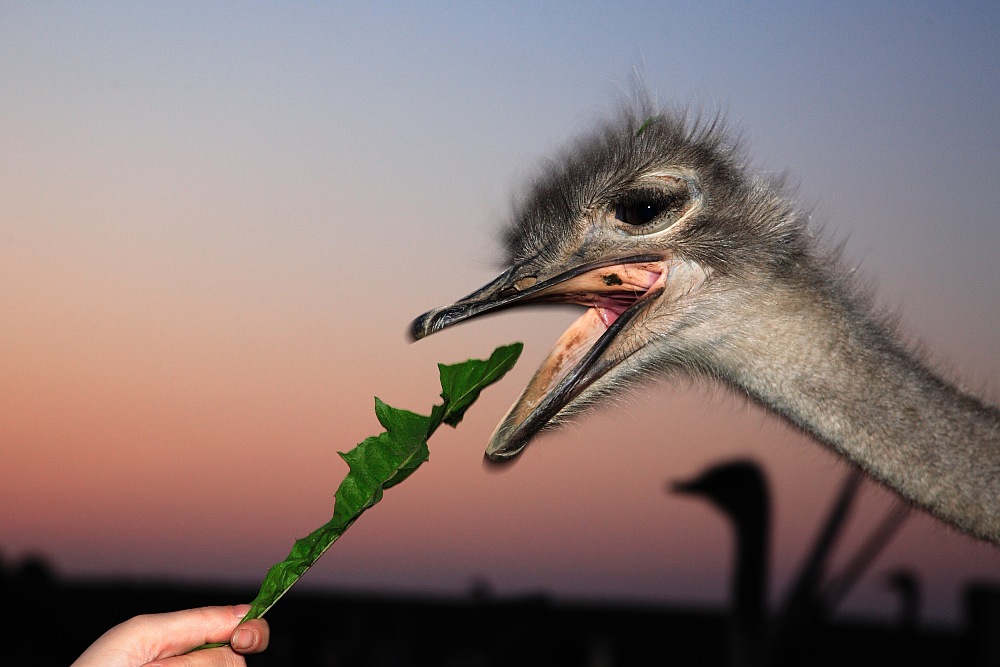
[(614, 291)]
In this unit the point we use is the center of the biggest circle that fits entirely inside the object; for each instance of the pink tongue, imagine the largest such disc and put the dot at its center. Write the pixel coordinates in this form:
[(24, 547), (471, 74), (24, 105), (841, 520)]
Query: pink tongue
[(610, 306), (608, 315)]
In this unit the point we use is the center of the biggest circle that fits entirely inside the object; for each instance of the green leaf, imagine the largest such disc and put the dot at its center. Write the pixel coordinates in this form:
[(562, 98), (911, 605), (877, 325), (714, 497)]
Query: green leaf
[(461, 383), (382, 461)]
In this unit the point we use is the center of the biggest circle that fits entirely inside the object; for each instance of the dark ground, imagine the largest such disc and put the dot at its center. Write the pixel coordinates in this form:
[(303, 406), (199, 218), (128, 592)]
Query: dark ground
[(50, 621)]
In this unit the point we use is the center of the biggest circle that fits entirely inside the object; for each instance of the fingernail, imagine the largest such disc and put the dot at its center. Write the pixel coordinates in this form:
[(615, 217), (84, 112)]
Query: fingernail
[(243, 639), (241, 610)]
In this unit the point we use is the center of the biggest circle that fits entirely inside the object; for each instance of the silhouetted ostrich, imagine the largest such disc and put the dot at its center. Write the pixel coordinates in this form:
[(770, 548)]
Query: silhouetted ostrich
[(686, 262), (739, 490)]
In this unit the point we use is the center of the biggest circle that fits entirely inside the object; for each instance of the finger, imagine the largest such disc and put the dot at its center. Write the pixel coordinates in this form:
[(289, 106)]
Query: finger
[(251, 637), (176, 633), (211, 657)]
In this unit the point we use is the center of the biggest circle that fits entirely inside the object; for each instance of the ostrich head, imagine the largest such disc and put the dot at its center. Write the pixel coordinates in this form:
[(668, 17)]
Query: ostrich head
[(737, 488), (654, 226)]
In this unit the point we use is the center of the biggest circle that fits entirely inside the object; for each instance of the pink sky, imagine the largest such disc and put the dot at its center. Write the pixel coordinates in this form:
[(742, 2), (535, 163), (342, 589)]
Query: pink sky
[(217, 226)]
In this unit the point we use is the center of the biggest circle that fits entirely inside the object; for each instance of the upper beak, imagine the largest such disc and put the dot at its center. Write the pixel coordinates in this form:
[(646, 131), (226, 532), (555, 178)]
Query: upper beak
[(683, 486), (614, 290), (520, 285)]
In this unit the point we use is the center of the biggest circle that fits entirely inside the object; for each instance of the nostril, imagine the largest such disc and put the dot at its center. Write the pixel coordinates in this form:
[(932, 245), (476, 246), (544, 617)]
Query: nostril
[(524, 283)]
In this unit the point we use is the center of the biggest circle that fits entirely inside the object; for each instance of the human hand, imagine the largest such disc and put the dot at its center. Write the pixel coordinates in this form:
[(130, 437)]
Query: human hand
[(163, 640)]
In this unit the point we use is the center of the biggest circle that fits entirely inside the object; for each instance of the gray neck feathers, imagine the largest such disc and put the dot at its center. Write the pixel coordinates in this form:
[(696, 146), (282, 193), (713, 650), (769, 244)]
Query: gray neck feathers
[(816, 355)]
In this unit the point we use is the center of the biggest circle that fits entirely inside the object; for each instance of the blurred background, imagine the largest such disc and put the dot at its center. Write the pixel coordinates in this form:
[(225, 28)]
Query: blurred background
[(217, 221)]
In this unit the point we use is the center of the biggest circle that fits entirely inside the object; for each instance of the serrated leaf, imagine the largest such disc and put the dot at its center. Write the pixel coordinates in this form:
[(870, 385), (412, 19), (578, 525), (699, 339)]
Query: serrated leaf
[(461, 383), (380, 462)]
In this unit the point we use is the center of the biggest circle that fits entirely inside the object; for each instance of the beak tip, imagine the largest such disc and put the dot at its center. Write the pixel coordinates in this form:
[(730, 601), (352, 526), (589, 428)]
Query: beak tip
[(420, 327), (502, 452), (434, 320), (494, 466), (496, 463)]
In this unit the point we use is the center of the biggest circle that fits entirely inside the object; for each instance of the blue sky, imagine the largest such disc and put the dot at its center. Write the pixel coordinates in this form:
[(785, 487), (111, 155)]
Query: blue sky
[(218, 220)]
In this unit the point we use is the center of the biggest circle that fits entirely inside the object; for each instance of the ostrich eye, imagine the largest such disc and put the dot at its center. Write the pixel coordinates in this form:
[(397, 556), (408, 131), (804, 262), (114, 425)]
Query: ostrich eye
[(641, 207), (652, 209)]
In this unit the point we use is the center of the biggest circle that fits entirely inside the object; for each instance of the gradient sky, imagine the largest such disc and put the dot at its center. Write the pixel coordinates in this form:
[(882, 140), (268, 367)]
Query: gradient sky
[(216, 222)]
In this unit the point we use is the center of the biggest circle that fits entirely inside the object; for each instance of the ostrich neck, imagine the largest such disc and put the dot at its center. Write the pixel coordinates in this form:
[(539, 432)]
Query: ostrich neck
[(750, 581), (820, 359)]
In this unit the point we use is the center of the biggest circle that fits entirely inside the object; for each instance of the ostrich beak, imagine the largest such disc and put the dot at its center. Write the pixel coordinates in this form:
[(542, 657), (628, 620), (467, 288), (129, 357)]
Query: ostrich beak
[(680, 487), (614, 291)]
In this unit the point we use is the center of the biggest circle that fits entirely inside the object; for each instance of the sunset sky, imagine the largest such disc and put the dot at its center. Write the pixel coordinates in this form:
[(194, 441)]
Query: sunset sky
[(217, 221)]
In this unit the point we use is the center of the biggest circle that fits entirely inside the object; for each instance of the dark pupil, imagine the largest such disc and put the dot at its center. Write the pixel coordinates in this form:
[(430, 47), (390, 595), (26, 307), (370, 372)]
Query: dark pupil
[(638, 213), (644, 207)]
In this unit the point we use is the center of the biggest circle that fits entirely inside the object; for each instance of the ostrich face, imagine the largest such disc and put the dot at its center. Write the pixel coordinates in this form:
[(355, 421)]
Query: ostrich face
[(631, 225)]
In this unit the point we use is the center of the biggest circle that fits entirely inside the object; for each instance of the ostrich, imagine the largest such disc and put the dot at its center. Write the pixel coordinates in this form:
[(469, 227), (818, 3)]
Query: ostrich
[(739, 490), (686, 262)]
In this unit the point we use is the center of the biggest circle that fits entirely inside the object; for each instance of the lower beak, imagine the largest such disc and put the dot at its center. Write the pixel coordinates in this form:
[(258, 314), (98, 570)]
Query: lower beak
[(614, 292)]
